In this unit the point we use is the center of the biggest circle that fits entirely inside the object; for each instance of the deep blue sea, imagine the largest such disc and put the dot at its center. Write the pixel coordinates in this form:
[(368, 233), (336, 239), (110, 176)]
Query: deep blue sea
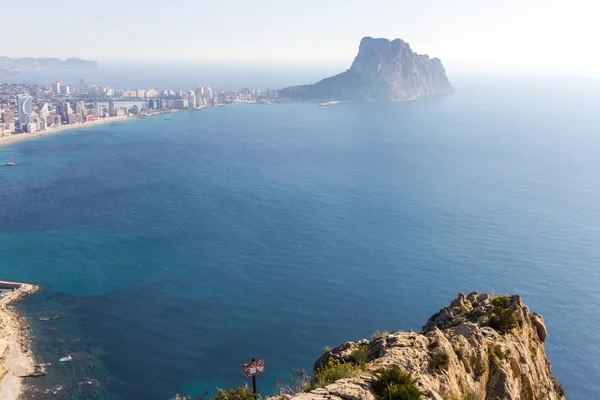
[(171, 251)]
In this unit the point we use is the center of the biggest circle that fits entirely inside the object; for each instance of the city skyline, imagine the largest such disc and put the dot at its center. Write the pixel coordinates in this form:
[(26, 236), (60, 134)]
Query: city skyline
[(27, 109), (531, 35)]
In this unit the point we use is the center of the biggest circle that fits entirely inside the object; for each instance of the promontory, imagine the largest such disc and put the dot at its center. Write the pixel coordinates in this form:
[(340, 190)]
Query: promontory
[(478, 348), (382, 70)]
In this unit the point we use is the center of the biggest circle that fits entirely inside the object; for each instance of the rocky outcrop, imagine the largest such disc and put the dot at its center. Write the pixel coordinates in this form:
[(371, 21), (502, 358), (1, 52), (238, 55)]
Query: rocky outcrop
[(478, 348), (384, 70)]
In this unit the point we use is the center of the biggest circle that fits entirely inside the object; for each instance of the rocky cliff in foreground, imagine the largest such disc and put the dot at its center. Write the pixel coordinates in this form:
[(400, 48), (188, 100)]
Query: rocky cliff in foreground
[(382, 70), (477, 348)]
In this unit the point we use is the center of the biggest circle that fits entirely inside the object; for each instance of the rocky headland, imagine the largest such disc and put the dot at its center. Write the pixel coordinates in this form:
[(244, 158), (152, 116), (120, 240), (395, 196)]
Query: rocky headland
[(478, 348), (29, 63), (15, 357), (382, 70)]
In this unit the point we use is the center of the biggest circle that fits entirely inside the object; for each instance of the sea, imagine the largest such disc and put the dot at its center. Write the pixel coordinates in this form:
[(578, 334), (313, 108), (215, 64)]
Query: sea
[(171, 250)]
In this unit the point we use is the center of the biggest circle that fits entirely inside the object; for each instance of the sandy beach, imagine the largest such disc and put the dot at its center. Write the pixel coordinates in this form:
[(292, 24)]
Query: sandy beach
[(15, 356), (61, 128)]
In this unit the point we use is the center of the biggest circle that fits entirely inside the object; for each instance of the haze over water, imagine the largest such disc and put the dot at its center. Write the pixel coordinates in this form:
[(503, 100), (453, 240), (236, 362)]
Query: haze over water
[(175, 250)]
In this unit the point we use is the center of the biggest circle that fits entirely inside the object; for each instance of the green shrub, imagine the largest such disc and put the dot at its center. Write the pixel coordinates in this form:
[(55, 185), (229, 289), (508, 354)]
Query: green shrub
[(498, 352), (478, 366), (533, 355), (298, 381), (438, 361), (334, 370), (239, 393), (434, 343), (379, 335), (502, 318), (559, 388), (360, 355), (393, 384)]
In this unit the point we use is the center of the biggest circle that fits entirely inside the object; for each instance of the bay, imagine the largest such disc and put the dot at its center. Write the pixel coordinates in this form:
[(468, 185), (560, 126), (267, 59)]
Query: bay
[(170, 251)]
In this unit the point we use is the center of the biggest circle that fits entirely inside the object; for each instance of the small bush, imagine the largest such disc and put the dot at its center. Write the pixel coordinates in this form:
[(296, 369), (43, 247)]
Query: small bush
[(502, 318), (239, 393), (498, 352), (333, 370), (379, 335), (434, 343), (299, 380), (360, 355), (393, 384), (478, 366), (558, 387), (460, 350), (438, 361)]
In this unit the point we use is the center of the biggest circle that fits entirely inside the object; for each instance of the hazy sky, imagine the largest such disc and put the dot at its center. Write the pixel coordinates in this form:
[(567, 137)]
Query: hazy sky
[(528, 34)]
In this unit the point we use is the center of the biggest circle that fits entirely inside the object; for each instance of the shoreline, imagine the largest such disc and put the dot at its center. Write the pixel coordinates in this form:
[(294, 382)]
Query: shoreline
[(5, 141), (61, 128), (16, 359)]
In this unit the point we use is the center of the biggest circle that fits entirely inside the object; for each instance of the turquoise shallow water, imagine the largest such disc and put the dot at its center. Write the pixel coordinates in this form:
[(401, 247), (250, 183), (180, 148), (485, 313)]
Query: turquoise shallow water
[(172, 251)]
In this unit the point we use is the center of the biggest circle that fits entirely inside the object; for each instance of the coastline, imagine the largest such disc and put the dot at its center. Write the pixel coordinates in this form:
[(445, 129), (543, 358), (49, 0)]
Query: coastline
[(5, 141), (61, 128), (16, 359)]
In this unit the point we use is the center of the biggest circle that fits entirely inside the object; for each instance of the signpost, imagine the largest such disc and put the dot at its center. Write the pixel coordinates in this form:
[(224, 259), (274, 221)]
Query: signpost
[(253, 368)]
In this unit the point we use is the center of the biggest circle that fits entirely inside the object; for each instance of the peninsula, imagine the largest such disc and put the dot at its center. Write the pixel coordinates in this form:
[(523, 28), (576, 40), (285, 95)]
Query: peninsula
[(382, 70), (15, 357), (14, 66)]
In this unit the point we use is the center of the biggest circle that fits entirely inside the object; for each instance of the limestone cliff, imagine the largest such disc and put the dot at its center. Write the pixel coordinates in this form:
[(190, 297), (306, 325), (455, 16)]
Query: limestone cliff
[(383, 69), (478, 348)]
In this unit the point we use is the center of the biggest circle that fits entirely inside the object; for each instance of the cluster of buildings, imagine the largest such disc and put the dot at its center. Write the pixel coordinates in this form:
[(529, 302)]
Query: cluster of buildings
[(33, 108), (199, 97), (28, 115)]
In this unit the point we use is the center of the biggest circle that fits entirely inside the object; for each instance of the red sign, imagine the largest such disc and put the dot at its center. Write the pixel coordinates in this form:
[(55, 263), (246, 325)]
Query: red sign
[(252, 368)]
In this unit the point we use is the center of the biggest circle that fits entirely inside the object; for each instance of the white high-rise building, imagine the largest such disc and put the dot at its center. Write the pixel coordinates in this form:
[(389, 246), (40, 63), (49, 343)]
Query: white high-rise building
[(80, 109), (98, 110), (191, 97), (208, 93), (56, 88), (25, 104), (44, 112), (198, 93)]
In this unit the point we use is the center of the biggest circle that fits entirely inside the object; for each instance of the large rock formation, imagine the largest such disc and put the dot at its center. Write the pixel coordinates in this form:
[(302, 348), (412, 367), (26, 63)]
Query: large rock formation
[(478, 348), (383, 69)]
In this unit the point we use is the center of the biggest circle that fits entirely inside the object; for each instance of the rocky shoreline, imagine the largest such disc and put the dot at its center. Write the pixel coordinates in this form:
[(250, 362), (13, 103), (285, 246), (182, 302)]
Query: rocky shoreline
[(16, 361)]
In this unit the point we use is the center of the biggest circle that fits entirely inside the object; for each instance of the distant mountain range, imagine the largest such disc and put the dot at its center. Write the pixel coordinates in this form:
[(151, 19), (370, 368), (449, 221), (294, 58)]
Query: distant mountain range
[(382, 70), (12, 65)]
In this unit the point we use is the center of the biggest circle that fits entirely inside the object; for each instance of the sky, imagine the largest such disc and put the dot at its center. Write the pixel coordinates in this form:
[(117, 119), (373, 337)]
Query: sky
[(534, 35)]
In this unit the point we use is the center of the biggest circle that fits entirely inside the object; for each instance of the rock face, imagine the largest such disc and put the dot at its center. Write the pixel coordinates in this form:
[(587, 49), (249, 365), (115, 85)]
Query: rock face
[(478, 348), (382, 70)]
